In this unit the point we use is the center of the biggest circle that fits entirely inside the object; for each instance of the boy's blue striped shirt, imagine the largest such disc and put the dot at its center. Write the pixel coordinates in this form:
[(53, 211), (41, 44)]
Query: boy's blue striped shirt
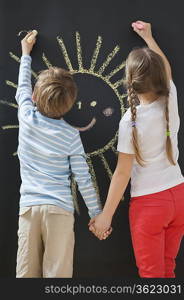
[(49, 151)]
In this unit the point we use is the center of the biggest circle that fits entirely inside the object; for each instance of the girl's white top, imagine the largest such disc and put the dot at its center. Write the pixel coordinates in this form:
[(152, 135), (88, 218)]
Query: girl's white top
[(158, 174)]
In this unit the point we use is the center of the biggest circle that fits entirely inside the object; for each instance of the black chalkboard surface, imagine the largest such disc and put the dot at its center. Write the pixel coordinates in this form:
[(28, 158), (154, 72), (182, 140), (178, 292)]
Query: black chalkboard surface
[(92, 39)]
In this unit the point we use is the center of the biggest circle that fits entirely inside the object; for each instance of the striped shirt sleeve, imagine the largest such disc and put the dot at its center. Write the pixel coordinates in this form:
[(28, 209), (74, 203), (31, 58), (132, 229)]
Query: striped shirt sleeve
[(24, 90), (80, 170)]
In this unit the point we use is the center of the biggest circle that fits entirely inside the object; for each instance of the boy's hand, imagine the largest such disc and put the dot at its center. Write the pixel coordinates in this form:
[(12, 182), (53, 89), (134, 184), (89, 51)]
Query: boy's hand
[(27, 46), (101, 226), (143, 29)]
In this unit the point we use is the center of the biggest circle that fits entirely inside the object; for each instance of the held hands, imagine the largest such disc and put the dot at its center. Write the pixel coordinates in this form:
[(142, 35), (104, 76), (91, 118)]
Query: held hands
[(143, 29), (100, 226), (28, 43)]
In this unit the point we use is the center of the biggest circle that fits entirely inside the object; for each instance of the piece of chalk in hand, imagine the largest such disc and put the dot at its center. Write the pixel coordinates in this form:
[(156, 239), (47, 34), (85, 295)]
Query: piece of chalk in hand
[(138, 25), (32, 36)]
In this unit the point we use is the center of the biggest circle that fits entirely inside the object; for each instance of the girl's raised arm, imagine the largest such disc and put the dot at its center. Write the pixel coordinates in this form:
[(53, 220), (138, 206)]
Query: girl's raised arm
[(143, 29)]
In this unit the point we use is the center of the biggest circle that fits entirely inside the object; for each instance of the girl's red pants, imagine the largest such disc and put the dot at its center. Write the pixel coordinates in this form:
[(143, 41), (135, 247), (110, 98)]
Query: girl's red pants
[(157, 228)]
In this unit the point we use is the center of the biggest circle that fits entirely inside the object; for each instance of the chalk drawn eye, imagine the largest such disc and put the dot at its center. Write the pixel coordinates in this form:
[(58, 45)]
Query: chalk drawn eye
[(79, 104), (93, 103), (108, 111)]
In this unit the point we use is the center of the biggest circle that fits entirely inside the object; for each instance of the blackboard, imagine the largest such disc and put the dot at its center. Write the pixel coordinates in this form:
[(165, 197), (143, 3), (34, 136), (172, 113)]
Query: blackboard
[(93, 39)]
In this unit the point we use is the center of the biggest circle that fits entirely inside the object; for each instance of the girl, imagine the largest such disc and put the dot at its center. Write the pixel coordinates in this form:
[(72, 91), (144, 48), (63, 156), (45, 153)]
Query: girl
[(148, 153)]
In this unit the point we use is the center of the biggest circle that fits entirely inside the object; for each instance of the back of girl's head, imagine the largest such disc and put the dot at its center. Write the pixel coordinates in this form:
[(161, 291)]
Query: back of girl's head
[(55, 92), (145, 73)]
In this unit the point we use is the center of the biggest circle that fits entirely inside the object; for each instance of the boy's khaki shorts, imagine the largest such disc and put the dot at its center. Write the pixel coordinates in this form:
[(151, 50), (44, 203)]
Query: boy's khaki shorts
[(45, 242)]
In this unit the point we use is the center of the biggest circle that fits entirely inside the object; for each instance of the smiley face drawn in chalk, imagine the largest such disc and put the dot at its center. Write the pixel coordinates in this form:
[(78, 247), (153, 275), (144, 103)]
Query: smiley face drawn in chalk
[(96, 113), (107, 112)]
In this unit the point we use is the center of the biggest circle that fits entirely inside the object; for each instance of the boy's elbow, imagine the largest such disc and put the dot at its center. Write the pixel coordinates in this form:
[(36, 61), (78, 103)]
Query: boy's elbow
[(17, 97), (83, 180)]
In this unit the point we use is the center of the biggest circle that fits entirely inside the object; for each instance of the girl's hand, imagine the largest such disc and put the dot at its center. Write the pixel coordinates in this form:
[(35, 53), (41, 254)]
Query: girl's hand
[(27, 46), (100, 225), (143, 29), (107, 233)]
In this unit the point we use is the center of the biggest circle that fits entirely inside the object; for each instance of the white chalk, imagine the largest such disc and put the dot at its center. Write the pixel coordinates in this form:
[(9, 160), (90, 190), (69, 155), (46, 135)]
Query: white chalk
[(32, 36)]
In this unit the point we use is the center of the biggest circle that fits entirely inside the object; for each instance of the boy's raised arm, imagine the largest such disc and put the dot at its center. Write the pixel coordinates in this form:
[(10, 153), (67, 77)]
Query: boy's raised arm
[(24, 90)]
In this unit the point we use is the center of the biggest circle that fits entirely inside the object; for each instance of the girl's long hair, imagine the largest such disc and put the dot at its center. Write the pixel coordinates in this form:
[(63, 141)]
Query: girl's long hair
[(145, 72)]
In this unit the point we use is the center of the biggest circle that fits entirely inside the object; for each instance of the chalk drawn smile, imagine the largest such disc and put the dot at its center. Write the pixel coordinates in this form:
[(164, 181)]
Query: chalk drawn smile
[(89, 126), (107, 113)]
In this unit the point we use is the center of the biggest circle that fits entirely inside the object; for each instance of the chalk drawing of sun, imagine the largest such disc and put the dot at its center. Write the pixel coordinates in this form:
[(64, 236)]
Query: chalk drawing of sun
[(98, 108)]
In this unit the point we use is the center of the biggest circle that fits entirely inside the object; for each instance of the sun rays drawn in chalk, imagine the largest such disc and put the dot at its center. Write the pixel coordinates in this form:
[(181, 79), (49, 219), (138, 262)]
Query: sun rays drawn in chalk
[(93, 71)]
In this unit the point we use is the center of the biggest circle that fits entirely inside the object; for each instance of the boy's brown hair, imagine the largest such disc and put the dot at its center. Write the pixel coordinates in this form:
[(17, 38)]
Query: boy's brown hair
[(55, 92), (145, 72)]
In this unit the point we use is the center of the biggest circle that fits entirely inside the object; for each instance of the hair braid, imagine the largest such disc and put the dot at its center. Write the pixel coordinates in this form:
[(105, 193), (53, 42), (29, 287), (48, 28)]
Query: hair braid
[(169, 150), (132, 102)]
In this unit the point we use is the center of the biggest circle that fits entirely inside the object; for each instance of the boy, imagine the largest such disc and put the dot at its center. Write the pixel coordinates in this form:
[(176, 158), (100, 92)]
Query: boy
[(49, 151)]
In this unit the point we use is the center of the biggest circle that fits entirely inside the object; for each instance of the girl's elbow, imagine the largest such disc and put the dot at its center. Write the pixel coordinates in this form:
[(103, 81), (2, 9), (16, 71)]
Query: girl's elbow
[(125, 174)]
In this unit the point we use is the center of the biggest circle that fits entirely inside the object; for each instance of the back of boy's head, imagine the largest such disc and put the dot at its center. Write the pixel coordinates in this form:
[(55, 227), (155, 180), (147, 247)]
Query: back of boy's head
[(55, 92)]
